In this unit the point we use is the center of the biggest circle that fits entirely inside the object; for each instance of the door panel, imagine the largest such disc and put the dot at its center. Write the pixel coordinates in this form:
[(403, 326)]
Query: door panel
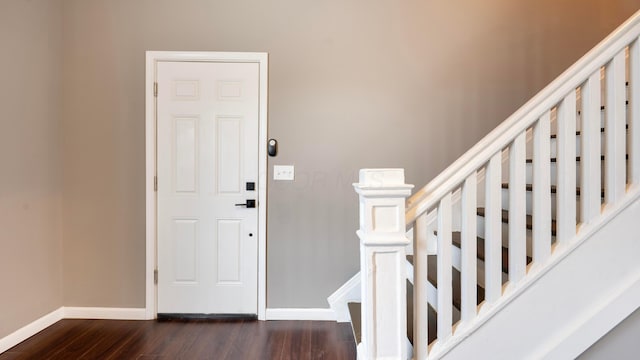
[(185, 163), (185, 249), (229, 155), (229, 255), (207, 151)]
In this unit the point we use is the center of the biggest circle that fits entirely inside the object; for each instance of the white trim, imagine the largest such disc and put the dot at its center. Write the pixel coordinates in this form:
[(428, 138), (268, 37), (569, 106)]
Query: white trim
[(152, 57), (105, 313), (596, 324), (150, 171), (348, 292), (301, 314), (31, 329)]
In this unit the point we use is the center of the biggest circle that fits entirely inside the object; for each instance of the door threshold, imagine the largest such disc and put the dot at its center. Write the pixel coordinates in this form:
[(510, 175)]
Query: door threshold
[(205, 317)]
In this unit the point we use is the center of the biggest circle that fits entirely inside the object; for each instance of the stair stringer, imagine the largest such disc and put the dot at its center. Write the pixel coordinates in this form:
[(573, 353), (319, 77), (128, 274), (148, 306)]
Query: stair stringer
[(589, 286)]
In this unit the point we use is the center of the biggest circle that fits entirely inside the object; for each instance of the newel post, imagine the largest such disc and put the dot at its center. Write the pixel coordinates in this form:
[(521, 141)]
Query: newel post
[(382, 263)]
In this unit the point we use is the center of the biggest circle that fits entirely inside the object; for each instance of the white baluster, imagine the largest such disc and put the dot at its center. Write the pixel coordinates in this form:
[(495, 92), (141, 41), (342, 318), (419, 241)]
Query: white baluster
[(382, 261), (590, 163), (469, 239), (493, 230), (566, 169), (541, 190), (420, 292), (445, 288), (517, 210), (634, 103), (614, 155)]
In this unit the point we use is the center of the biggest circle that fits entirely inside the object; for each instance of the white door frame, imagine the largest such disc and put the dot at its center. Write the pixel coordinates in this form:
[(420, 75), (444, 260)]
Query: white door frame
[(153, 57)]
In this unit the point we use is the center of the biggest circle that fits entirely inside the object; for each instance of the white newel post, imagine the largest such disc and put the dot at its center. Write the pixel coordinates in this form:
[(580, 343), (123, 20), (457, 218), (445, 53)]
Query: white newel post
[(382, 263)]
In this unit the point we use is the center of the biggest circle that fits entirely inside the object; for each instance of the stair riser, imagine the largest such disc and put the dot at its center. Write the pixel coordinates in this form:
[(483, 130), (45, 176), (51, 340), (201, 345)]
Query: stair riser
[(505, 234), (457, 256), (529, 202), (554, 173)]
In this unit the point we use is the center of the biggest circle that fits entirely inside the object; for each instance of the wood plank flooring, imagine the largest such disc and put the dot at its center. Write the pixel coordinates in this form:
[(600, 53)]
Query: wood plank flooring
[(219, 339)]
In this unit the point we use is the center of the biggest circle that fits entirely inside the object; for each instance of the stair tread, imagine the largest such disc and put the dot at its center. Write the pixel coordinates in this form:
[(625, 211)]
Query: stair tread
[(505, 219), (457, 241), (602, 107), (554, 189), (529, 161), (355, 312), (432, 277), (529, 187)]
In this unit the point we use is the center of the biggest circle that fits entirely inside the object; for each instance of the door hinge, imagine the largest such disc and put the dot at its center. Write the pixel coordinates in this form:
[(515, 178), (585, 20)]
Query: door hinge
[(155, 276), (155, 183), (155, 89)]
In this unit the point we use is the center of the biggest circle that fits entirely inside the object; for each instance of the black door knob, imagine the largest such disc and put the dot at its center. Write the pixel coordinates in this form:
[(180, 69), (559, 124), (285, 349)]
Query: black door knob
[(251, 203)]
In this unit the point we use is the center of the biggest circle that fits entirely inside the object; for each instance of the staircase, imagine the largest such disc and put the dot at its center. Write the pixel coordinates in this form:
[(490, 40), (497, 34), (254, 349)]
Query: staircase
[(526, 246)]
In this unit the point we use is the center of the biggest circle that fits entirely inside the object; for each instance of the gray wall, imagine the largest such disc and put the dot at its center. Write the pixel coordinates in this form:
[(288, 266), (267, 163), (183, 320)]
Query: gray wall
[(30, 190), (353, 84), (621, 343)]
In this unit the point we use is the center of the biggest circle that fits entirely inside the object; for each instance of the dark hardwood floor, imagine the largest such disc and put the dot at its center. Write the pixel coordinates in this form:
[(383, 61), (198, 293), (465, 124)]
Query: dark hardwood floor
[(219, 339)]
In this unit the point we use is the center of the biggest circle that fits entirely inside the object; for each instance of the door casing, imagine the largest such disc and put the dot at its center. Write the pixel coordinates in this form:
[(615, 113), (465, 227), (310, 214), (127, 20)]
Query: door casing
[(152, 58)]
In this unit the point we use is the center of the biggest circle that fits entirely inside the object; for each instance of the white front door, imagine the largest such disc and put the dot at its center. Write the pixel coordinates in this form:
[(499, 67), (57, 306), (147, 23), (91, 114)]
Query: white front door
[(207, 138)]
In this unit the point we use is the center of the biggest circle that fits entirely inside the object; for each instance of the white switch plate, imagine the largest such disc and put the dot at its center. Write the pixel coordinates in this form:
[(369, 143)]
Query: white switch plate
[(283, 172)]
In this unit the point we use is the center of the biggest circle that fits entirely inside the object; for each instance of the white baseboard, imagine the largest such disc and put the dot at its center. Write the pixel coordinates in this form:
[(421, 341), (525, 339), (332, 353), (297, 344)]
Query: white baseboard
[(42, 323), (301, 314), (349, 292), (105, 313), (31, 329)]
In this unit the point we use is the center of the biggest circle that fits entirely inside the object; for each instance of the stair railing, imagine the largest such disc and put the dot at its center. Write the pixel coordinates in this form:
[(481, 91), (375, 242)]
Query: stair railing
[(571, 103)]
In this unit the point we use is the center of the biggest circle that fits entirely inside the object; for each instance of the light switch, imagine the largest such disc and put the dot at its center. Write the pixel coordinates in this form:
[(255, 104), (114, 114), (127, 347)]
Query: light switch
[(283, 172)]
